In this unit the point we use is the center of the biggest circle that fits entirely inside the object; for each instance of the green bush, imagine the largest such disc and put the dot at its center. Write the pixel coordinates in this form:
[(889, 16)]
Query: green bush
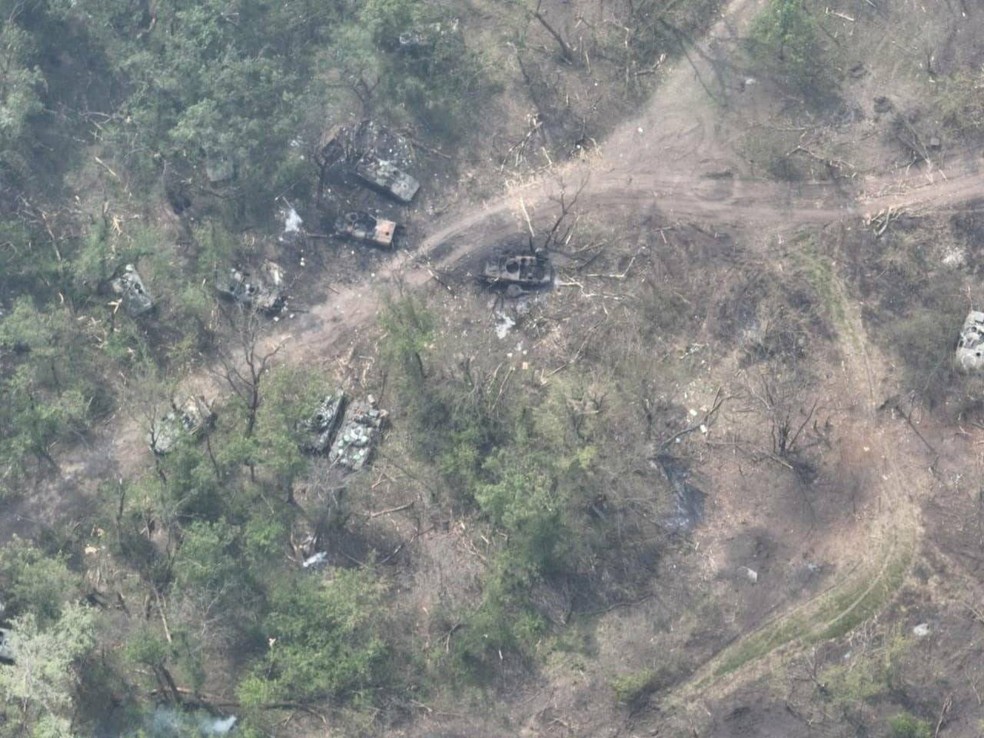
[(786, 39), (322, 641), (905, 725)]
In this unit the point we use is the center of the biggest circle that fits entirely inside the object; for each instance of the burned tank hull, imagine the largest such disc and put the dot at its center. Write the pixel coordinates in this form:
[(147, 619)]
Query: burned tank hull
[(518, 272), (361, 226)]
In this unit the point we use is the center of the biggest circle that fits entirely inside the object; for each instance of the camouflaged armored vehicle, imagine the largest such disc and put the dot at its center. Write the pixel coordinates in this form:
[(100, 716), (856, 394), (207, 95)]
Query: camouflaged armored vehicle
[(319, 429), (358, 436), (134, 297), (361, 226), (190, 420), (265, 292), (518, 273), (970, 346), (384, 176)]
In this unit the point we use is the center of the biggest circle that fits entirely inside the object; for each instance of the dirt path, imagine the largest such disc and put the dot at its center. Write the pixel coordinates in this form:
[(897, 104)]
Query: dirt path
[(880, 561)]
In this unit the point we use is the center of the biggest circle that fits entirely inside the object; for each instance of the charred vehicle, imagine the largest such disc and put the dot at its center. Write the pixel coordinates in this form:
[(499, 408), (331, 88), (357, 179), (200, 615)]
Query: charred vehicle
[(518, 273), (361, 226), (190, 420), (264, 292)]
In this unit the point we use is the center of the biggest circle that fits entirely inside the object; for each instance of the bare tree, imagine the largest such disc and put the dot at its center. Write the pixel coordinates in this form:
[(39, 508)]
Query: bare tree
[(566, 50), (244, 361), (561, 231)]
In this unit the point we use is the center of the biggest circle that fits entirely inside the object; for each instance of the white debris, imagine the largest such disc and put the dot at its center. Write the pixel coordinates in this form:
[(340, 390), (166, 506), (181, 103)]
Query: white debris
[(921, 630), (751, 575), (316, 560), (219, 727), (954, 257), (503, 324), (292, 221)]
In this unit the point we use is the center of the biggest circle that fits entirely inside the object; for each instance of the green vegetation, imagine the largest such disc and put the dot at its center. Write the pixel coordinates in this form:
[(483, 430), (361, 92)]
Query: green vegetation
[(786, 39), (907, 726)]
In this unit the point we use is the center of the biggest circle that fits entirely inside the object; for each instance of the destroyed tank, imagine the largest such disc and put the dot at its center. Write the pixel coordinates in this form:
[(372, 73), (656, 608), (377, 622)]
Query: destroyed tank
[(386, 177), (265, 293), (133, 295), (358, 435), (361, 226), (518, 273), (319, 429), (970, 347), (190, 420)]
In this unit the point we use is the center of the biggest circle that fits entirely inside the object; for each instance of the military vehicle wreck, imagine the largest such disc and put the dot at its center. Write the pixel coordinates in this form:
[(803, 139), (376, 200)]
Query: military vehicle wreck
[(348, 436), (319, 430), (518, 273), (358, 436), (190, 420), (134, 297), (361, 226), (970, 346), (385, 177), (264, 292), (371, 154)]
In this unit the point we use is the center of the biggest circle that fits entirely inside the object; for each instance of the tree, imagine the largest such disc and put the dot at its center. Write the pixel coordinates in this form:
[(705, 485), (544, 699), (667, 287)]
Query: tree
[(786, 36), (39, 687), (34, 583), (322, 641), (41, 400)]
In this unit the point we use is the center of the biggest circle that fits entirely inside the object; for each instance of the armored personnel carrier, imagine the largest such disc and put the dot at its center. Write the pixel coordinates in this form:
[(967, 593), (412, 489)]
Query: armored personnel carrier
[(518, 273), (385, 177), (189, 420), (265, 292), (361, 226), (319, 429), (133, 295), (358, 436)]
